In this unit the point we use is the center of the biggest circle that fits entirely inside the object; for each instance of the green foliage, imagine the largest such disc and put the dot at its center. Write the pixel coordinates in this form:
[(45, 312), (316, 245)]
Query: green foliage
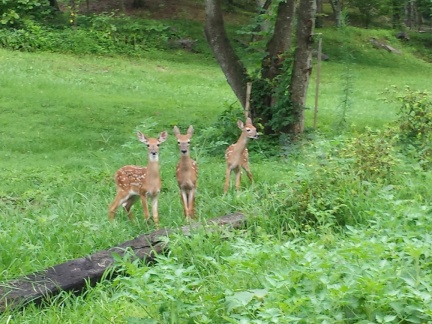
[(421, 45), (246, 277), (126, 32), (30, 38), (368, 9), (325, 241), (415, 123), (271, 99), (372, 154), (415, 114), (336, 187), (223, 132), (105, 35), (16, 13), (169, 291)]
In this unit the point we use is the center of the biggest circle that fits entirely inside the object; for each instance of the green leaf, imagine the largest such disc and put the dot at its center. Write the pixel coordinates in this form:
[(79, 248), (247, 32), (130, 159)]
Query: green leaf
[(239, 299), (389, 318)]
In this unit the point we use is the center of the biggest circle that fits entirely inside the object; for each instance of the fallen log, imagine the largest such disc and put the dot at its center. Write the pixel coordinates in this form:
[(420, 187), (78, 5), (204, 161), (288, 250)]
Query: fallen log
[(377, 44), (75, 275)]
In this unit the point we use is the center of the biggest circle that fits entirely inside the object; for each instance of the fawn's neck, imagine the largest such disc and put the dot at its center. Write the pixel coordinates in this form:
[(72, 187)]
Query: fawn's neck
[(185, 161), (241, 144), (153, 168)]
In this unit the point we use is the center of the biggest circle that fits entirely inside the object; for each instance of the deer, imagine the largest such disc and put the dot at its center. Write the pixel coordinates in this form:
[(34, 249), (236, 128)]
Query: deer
[(237, 155), (135, 182), (186, 173)]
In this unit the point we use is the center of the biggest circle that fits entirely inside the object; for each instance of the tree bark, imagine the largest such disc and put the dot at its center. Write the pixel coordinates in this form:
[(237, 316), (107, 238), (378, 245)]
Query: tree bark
[(272, 65), (320, 12), (231, 65), (278, 110), (337, 11), (280, 42), (302, 63)]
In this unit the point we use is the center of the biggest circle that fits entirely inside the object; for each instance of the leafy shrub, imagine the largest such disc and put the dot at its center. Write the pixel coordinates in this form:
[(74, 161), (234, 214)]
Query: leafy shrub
[(276, 116), (16, 12), (315, 198), (125, 31), (415, 114), (101, 34), (223, 132), (371, 155), (30, 38), (415, 124)]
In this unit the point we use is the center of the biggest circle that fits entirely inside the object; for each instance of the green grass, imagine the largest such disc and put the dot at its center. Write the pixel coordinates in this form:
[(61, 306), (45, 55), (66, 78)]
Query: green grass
[(67, 124), (365, 73), (322, 245)]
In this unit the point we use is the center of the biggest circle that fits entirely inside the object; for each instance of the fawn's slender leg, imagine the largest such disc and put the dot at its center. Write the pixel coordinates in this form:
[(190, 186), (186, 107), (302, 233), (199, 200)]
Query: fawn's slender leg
[(114, 205), (238, 177), (155, 211), (227, 178), (145, 207), (191, 201), (128, 207), (184, 200), (248, 171)]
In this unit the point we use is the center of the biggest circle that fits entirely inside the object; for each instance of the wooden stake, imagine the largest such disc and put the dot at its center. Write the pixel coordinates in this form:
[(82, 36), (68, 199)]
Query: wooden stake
[(247, 103), (317, 82)]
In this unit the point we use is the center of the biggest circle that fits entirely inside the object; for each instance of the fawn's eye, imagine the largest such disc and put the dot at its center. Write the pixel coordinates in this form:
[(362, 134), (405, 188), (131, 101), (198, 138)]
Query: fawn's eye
[(178, 142), (248, 130), (157, 144), (188, 142), (148, 145)]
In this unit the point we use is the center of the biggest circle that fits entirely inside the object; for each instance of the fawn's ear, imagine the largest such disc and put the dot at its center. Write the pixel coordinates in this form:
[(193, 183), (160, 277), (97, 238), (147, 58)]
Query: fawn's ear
[(141, 137), (176, 131), (240, 124), (163, 136), (248, 121), (190, 130)]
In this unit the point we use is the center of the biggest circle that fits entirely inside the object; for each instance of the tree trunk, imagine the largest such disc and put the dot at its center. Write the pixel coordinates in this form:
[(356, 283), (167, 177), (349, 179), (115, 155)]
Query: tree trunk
[(302, 63), (270, 100), (410, 14), (319, 16), (337, 11), (280, 42), (272, 65), (231, 65)]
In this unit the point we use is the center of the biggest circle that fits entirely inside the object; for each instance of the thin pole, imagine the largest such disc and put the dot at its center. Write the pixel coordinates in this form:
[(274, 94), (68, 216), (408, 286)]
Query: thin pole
[(317, 82), (247, 103)]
